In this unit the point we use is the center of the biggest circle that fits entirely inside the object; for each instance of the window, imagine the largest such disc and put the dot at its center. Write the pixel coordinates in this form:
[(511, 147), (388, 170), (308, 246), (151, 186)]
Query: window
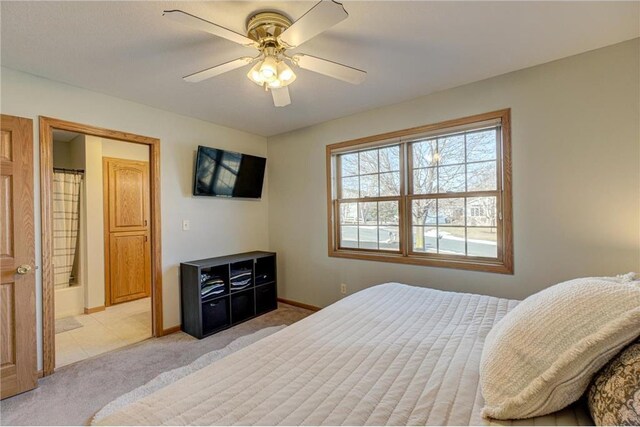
[(436, 195)]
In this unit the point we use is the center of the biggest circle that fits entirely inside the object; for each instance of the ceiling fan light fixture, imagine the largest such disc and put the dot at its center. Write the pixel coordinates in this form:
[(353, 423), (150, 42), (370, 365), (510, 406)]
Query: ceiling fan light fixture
[(255, 76), (285, 73), (275, 84), (269, 69)]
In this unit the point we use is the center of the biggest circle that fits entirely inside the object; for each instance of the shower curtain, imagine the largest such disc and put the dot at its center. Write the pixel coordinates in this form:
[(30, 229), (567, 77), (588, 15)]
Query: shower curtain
[(66, 203)]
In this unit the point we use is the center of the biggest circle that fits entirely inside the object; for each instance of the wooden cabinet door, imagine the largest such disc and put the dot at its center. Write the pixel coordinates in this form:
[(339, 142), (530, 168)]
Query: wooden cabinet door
[(130, 266), (18, 366), (127, 246), (128, 192)]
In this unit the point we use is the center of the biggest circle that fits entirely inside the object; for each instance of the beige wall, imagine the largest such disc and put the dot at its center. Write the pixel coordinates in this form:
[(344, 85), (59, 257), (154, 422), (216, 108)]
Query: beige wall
[(576, 180), (124, 150), (94, 224), (218, 226)]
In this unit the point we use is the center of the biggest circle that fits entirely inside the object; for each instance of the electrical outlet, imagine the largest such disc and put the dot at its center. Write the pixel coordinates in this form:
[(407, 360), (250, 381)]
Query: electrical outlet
[(186, 225), (343, 289)]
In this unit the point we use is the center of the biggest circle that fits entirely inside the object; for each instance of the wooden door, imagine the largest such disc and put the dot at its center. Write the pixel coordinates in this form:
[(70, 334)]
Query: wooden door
[(127, 243), (18, 365)]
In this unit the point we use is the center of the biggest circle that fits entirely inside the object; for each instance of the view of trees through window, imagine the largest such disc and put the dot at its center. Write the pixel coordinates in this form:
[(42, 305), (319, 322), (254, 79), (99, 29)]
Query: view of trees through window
[(451, 191), (454, 180), (369, 214)]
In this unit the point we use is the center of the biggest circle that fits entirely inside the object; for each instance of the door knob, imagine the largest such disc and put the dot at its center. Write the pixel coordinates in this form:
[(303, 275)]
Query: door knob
[(24, 269)]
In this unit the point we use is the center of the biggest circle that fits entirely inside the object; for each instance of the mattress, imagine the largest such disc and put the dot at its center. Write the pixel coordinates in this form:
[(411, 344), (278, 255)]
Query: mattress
[(392, 354)]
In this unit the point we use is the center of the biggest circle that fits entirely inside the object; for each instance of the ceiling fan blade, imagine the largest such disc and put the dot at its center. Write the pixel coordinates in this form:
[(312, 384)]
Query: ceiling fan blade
[(324, 15), (218, 69), (281, 97), (330, 68), (209, 27)]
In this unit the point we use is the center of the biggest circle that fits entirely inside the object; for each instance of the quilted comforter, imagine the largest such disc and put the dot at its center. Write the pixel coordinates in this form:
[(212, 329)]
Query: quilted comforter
[(389, 355)]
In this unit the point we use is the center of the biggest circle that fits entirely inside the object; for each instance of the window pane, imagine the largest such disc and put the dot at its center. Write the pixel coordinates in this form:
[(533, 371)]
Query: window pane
[(451, 179), (368, 161), (451, 240), (349, 164), (349, 236), (389, 238), (482, 242), (424, 153), (350, 187), (462, 225), (390, 184), (348, 213), (388, 213), (423, 212), (368, 213), (424, 181), (481, 145), (481, 176), (369, 186), (451, 149), (424, 239), (368, 237), (390, 159), (451, 212), (481, 211)]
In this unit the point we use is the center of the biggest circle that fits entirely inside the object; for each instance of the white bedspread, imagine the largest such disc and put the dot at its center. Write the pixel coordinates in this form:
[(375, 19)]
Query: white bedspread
[(390, 355)]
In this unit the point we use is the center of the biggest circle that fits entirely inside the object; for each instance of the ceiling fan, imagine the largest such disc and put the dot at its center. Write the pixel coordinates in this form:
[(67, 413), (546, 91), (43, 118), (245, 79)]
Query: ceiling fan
[(272, 34)]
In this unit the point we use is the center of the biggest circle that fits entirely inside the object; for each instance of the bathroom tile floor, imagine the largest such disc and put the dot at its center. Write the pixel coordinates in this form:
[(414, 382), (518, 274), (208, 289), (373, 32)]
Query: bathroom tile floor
[(115, 327)]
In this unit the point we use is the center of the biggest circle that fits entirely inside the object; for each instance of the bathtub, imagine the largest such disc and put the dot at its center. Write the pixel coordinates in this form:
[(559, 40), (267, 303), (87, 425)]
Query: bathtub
[(69, 301)]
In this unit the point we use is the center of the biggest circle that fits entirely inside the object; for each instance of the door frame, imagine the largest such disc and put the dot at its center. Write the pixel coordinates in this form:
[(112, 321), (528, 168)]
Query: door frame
[(47, 125)]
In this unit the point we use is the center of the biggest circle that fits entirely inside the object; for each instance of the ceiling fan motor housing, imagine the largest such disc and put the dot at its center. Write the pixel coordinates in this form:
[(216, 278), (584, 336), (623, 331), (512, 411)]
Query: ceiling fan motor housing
[(265, 27)]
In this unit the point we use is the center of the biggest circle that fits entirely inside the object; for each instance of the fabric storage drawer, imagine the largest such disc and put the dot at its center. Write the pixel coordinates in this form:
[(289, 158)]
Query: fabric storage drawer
[(215, 315), (266, 298), (242, 306)]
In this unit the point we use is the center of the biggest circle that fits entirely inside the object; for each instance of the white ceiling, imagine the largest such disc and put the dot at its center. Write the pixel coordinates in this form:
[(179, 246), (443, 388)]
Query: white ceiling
[(411, 48)]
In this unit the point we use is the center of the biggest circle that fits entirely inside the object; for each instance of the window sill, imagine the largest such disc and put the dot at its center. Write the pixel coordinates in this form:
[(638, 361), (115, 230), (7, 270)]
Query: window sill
[(500, 267)]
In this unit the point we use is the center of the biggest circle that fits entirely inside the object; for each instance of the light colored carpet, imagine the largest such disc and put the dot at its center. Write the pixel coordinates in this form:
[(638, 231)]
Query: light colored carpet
[(74, 393), (169, 377), (67, 324)]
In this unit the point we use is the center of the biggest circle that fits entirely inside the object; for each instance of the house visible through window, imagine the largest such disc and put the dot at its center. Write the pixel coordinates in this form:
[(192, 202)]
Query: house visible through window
[(435, 195)]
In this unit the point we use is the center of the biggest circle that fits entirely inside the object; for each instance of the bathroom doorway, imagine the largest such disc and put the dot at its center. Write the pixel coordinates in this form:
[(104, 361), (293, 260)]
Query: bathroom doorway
[(101, 250), (101, 277)]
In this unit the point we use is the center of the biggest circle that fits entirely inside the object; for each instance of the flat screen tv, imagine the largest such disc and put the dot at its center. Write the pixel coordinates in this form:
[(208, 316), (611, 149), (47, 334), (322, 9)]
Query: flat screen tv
[(222, 173)]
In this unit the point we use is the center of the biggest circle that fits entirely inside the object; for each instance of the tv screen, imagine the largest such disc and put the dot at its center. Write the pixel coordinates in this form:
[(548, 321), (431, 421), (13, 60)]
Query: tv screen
[(228, 174)]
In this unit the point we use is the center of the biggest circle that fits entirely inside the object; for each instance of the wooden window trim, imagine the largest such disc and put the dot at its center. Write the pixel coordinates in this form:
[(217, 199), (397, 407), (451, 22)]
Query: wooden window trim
[(503, 264)]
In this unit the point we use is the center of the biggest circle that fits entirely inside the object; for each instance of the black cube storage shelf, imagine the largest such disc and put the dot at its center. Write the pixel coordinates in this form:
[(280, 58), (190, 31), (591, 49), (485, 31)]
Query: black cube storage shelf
[(218, 293)]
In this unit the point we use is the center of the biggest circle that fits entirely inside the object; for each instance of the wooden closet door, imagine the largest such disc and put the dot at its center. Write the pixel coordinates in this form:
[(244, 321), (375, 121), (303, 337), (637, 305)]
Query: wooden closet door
[(130, 267), (127, 245), (128, 183), (18, 366)]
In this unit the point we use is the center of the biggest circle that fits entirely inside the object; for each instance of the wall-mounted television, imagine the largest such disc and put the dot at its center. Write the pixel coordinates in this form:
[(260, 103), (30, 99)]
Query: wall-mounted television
[(222, 173)]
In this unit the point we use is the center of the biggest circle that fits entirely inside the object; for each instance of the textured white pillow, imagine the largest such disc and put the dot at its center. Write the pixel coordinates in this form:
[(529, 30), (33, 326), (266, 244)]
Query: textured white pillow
[(541, 356)]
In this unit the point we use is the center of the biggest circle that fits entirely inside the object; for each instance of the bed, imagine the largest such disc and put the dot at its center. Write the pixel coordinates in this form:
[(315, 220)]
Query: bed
[(392, 354)]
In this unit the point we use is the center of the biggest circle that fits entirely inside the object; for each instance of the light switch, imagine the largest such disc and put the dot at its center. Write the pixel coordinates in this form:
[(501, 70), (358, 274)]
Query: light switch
[(186, 225)]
